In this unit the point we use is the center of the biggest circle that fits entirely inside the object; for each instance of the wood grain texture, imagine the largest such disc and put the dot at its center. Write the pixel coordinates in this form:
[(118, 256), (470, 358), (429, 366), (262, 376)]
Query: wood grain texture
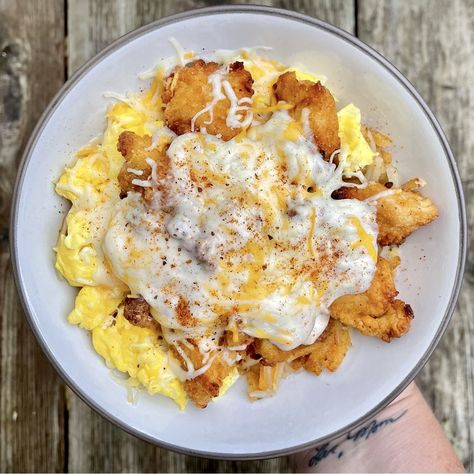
[(91, 26), (31, 394), (433, 45)]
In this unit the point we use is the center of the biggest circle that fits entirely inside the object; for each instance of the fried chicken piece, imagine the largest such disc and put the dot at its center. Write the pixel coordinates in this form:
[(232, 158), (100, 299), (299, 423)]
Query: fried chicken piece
[(399, 213), (376, 300), (134, 149), (321, 105), (376, 312), (188, 91), (204, 387), (329, 349), (272, 355), (298, 364), (413, 185), (393, 324), (326, 352), (137, 312)]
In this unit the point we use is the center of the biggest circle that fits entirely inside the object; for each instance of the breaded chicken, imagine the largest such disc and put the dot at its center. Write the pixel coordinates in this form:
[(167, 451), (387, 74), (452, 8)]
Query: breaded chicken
[(399, 212), (188, 91), (321, 105), (377, 299), (272, 355), (135, 151), (376, 312), (137, 312), (393, 324), (326, 352), (204, 387), (329, 349)]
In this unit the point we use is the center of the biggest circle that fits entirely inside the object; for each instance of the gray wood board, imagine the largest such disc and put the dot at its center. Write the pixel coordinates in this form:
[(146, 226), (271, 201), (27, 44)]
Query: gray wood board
[(31, 394)]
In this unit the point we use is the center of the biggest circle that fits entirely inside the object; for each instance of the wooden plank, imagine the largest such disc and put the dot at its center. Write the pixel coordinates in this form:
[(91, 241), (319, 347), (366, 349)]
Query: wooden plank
[(31, 394), (340, 13), (96, 445), (433, 46), (93, 25)]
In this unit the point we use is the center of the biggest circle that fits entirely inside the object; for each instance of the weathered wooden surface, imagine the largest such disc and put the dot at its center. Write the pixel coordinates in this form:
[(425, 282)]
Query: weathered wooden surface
[(431, 42), (31, 394)]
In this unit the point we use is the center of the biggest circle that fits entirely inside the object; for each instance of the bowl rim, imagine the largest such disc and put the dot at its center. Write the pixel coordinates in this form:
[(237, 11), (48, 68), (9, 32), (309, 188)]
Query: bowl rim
[(234, 9)]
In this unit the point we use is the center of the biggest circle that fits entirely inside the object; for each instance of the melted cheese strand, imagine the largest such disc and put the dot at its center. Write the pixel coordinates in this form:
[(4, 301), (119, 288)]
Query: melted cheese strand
[(382, 194), (154, 170), (179, 50), (365, 239), (216, 82), (134, 171), (142, 183), (234, 119)]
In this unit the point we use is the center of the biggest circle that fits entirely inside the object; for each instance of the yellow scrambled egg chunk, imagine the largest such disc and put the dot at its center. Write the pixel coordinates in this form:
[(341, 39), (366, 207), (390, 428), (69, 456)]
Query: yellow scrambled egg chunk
[(134, 350), (95, 305), (76, 258), (229, 381), (90, 177), (88, 184), (353, 144), (128, 348)]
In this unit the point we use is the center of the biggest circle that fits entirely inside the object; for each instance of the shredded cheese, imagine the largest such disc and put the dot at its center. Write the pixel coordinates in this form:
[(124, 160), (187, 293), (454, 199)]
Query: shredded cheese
[(364, 239)]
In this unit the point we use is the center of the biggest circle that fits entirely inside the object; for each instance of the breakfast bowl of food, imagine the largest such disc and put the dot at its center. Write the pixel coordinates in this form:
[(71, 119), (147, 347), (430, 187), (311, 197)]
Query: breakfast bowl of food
[(249, 232)]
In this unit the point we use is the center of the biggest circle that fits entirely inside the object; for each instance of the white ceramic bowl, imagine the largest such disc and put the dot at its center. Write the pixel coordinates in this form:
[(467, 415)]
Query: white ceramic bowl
[(306, 409)]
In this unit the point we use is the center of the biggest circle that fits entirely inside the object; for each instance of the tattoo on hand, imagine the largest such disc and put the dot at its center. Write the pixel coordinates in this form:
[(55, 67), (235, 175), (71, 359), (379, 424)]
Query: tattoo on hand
[(363, 433)]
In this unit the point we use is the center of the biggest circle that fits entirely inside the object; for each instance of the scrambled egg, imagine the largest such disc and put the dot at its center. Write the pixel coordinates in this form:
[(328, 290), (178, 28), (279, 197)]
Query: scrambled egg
[(229, 381), (133, 350), (76, 259), (91, 183), (91, 187), (353, 144), (95, 305)]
